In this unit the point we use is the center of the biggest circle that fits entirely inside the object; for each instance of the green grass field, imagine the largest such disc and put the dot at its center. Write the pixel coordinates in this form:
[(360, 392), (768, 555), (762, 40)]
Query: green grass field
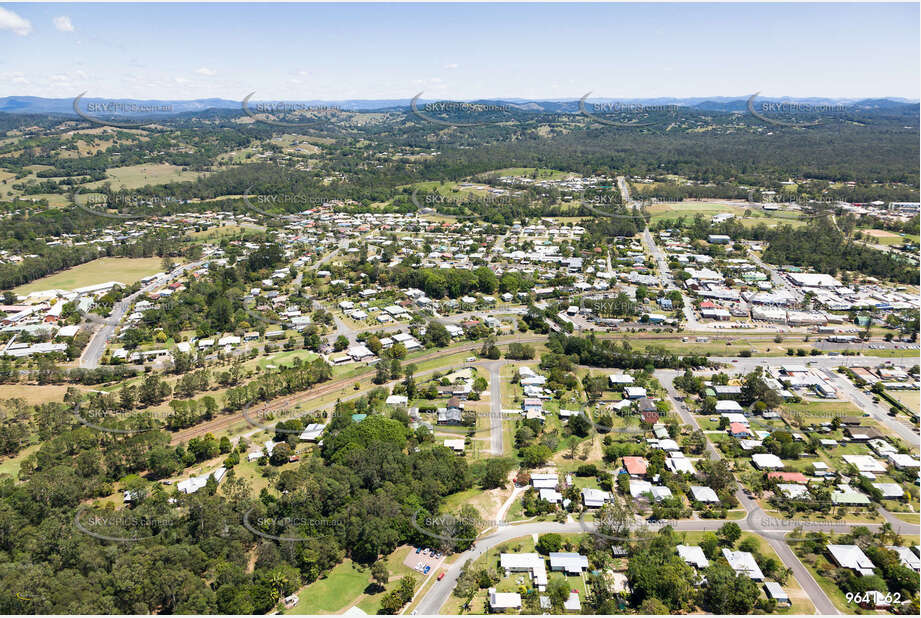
[(348, 584), (910, 399), (335, 592), (673, 210), (137, 176), (885, 237), (123, 270)]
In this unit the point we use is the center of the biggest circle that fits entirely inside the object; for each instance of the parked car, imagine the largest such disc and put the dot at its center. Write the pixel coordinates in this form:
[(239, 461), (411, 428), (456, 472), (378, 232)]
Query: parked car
[(441, 576)]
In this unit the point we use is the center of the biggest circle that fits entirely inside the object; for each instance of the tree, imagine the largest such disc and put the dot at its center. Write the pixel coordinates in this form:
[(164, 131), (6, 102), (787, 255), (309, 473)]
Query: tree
[(281, 452), (728, 593), (710, 545), (341, 343), (558, 591), (653, 607), (695, 442), (495, 474), (382, 373), (380, 573), (658, 572), (729, 533), (579, 425), (614, 518), (436, 334), (535, 455), (548, 543), (519, 351)]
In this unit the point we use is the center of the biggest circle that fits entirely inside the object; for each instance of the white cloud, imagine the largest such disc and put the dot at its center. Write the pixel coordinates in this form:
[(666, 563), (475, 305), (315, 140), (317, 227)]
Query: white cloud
[(206, 71), (452, 66), (63, 23), (14, 23)]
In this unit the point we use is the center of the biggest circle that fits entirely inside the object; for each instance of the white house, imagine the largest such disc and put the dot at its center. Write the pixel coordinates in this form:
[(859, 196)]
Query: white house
[(851, 557), (501, 601), (743, 562), (530, 563), (693, 555), (594, 498), (767, 461)]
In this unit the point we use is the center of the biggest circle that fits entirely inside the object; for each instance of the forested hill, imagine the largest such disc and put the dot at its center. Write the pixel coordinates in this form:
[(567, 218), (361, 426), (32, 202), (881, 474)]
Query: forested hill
[(197, 556)]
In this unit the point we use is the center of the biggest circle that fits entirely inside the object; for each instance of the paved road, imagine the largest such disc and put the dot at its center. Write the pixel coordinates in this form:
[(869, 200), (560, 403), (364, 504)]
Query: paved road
[(772, 529), (878, 411), (495, 416), (691, 321), (97, 345), (777, 279)]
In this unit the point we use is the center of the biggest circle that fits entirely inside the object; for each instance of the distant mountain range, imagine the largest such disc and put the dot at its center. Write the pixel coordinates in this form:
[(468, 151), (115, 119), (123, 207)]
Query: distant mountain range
[(40, 105)]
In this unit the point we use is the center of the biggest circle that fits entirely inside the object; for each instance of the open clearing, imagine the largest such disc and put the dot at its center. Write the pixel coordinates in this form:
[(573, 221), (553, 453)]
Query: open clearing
[(123, 270), (910, 399), (689, 209), (33, 394), (887, 238), (137, 176)]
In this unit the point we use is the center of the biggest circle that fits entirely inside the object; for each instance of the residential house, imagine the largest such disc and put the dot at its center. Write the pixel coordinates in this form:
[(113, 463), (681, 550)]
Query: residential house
[(743, 562), (851, 557), (693, 555)]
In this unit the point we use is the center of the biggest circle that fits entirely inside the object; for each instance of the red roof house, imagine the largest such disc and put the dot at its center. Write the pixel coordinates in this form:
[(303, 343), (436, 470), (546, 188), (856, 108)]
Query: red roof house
[(738, 430), (636, 466), (789, 477)]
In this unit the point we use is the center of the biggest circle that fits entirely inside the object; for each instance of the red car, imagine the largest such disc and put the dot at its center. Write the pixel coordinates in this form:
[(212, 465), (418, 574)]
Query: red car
[(441, 576)]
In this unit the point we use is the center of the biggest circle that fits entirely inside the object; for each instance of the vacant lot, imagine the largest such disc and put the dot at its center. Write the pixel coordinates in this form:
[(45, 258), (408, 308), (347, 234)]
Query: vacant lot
[(123, 270), (33, 394)]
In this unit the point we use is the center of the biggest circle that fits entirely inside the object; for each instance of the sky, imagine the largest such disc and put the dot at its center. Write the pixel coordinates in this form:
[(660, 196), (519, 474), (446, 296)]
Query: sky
[(459, 51)]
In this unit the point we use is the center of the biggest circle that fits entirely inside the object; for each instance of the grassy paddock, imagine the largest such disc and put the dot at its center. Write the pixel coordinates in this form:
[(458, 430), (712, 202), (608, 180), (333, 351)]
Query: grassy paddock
[(123, 270)]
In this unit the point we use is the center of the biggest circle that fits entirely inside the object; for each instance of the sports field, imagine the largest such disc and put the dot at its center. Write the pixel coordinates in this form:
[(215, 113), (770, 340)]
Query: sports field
[(885, 237), (123, 270)]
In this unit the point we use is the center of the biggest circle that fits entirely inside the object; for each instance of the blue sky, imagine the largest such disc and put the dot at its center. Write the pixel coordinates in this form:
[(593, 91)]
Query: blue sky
[(352, 51)]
